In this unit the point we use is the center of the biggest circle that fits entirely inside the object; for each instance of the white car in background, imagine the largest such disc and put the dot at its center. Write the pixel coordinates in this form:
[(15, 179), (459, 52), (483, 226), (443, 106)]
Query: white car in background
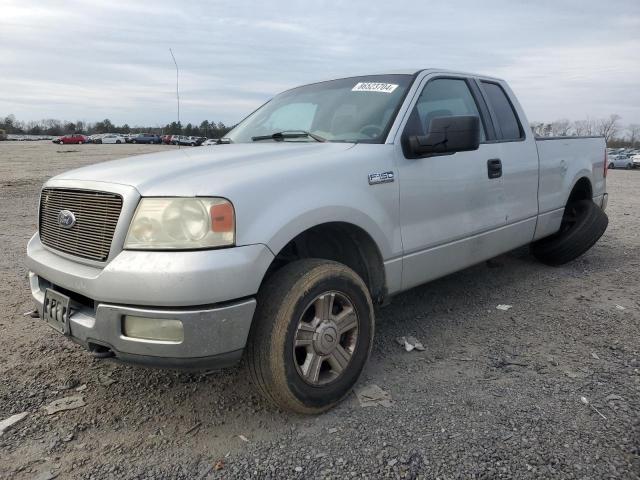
[(210, 141), (113, 138)]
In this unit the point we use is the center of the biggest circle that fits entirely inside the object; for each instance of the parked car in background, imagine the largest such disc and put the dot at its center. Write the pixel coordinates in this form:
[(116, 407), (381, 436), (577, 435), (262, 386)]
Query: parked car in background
[(166, 139), (635, 159), (620, 161), (74, 138), (147, 138), (210, 141), (185, 140), (95, 138), (113, 138)]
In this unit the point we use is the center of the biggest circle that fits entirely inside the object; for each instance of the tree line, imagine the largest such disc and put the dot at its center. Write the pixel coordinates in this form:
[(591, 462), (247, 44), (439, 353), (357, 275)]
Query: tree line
[(615, 134), (55, 127)]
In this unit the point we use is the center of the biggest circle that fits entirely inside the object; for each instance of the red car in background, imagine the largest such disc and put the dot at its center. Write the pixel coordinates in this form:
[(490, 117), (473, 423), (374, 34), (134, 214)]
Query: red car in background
[(75, 138)]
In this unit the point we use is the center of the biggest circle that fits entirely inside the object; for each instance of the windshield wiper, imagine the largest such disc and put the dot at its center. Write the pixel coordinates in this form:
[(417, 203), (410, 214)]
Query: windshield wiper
[(280, 136)]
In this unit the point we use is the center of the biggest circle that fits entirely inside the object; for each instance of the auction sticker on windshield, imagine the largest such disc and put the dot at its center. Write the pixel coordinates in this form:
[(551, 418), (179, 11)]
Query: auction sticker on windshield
[(374, 87)]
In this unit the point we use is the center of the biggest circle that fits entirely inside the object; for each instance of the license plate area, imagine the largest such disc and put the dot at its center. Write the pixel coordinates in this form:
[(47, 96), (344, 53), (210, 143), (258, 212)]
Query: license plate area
[(56, 310)]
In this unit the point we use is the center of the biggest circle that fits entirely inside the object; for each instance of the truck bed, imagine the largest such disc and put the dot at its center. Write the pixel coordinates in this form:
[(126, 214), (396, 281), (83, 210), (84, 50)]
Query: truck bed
[(562, 161)]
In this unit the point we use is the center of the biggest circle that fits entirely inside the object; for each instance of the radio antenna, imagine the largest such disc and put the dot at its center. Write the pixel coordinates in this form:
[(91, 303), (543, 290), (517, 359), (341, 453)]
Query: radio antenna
[(177, 89)]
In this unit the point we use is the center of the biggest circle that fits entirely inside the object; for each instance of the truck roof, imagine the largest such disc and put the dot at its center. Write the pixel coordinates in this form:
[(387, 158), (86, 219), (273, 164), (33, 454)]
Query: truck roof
[(407, 71)]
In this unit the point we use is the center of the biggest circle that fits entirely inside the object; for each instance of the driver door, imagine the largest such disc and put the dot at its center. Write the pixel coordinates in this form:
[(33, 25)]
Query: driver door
[(449, 205)]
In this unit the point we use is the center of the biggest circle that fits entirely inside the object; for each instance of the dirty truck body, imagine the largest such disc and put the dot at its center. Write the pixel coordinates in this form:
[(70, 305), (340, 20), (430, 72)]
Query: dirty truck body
[(327, 200)]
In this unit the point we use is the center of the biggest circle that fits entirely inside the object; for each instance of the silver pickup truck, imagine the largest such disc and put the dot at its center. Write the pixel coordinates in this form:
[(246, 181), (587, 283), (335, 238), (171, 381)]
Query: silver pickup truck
[(277, 243)]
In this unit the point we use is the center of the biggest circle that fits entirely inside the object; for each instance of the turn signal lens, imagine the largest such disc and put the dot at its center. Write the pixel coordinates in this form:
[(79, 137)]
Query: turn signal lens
[(222, 218)]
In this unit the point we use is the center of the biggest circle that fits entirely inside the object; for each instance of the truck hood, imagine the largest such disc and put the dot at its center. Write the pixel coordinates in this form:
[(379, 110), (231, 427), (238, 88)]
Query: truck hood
[(205, 170)]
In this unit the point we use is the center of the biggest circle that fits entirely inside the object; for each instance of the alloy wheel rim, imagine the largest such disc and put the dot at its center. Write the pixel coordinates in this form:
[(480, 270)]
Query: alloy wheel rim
[(325, 338)]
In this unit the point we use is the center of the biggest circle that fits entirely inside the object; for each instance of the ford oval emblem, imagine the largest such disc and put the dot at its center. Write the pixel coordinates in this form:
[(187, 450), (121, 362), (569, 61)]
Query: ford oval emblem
[(66, 219)]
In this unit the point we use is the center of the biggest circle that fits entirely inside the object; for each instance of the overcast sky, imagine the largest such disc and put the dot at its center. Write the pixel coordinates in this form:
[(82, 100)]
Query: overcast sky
[(90, 60)]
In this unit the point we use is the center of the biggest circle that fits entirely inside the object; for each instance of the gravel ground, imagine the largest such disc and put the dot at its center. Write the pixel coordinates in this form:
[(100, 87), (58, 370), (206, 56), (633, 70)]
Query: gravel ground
[(496, 394)]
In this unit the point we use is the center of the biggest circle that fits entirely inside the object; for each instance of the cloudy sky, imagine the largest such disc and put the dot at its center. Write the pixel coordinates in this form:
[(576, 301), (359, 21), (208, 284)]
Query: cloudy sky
[(89, 60)]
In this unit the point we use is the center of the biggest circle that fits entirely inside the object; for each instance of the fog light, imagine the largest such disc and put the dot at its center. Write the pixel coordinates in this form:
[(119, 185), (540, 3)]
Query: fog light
[(162, 329)]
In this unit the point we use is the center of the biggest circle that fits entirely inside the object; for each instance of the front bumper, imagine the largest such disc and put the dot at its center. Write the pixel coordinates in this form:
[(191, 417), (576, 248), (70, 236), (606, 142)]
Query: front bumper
[(157, 279), (199, 288), (213, 337)]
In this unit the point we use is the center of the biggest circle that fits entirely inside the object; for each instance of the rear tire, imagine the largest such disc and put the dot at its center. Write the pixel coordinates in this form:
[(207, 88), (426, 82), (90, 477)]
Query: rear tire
[(629, 166), (311, 336), (582, 226)]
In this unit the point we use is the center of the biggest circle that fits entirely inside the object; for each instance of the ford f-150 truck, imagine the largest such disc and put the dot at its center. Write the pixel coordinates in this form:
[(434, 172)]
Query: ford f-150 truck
[(277, 243)]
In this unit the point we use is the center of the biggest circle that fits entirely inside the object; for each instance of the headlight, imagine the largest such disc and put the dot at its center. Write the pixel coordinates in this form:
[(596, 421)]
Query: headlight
[(181, 223)]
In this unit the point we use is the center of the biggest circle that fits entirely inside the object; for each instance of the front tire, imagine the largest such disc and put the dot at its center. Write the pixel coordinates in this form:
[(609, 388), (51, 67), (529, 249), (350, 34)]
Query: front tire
[(612, 166), (582, 226), (312, 335)]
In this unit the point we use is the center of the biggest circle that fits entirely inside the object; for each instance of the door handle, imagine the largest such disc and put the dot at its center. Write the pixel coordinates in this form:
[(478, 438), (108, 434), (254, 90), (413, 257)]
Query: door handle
[(494, 168)]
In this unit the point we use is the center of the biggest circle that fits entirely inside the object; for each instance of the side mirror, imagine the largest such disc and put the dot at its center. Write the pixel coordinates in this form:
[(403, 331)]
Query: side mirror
[(458, 133)]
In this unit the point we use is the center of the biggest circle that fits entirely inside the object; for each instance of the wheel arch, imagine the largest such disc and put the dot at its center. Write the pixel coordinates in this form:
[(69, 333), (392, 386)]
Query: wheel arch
[(582, 189), (340, 241)]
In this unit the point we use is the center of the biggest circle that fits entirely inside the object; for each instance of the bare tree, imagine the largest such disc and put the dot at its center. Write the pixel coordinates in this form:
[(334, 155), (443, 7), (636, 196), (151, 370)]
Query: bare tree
[(584, 127), (608, 127), (541, 129), (560, 128), (634, 134), (536, 128)]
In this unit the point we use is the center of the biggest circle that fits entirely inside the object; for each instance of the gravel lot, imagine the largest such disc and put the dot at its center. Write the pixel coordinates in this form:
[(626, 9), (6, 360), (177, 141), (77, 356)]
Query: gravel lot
[(496, 394)]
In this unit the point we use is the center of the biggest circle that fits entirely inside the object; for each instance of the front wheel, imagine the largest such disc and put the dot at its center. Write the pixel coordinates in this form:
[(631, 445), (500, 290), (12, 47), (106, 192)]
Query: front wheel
[(312, 335), (612, 166)]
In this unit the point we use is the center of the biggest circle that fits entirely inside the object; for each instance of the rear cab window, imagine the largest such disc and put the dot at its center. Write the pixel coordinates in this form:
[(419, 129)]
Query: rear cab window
[(504, 115)]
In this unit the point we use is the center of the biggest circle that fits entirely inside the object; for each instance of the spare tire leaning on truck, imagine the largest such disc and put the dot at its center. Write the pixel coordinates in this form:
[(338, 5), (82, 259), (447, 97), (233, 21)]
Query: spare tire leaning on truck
[(583, 224)]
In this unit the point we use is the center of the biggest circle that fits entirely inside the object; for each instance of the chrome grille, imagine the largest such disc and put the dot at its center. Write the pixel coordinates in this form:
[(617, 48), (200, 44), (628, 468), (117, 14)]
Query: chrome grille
[(96, 215)]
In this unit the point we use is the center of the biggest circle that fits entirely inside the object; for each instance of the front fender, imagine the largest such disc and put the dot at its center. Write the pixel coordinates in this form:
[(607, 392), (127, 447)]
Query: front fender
[(318, 216)]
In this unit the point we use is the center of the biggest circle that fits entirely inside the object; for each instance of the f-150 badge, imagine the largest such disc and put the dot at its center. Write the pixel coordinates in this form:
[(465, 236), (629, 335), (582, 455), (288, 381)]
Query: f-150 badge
[(384, 177)]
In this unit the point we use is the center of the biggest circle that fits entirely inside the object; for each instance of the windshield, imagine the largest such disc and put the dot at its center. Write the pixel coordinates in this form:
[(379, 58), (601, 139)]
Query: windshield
[(356, 109)]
